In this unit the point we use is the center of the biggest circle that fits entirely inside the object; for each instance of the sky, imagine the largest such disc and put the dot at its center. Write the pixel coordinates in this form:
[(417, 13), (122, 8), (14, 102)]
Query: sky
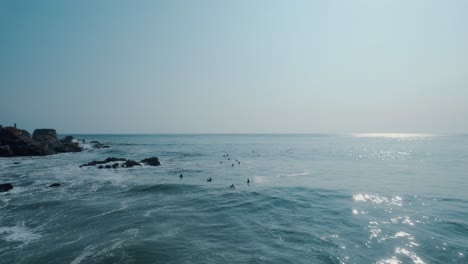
[(243, 66)]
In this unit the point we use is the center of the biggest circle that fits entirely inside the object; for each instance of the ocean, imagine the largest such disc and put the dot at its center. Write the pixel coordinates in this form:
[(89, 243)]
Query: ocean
[(366, 198)]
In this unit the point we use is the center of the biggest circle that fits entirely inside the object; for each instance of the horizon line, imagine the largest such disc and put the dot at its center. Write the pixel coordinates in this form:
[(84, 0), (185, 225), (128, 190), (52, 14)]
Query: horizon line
[(378, 134)]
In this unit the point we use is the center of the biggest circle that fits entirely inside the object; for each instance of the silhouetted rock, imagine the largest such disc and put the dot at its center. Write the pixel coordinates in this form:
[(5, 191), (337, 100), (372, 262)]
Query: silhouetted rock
[(68, 138), (67, 144), (112, 162), (153, 161), (45, 135), (5, 187), (17, 142), (5, 151), (130, 164), (55, 184)]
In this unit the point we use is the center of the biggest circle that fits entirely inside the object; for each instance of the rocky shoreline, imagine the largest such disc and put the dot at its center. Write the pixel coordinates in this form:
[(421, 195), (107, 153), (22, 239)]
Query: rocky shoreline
[(16, 142)]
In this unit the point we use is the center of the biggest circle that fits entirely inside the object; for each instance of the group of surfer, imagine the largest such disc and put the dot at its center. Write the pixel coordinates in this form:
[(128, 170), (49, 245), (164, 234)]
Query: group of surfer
[(210, 179)]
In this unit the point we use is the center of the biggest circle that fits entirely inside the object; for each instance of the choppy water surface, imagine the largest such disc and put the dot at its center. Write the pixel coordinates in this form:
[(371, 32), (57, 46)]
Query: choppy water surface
[(311, 199)]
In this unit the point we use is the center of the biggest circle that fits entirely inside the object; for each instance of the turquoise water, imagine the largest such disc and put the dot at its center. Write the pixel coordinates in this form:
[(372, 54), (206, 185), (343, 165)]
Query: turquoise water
[(311, 199)]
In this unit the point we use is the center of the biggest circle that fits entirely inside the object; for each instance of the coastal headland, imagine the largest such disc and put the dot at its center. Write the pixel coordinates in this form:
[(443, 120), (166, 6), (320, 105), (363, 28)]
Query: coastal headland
[(18, 142)]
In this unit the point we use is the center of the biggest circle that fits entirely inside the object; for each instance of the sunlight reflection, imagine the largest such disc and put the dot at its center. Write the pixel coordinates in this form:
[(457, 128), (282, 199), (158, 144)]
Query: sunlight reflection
[(393, 135)]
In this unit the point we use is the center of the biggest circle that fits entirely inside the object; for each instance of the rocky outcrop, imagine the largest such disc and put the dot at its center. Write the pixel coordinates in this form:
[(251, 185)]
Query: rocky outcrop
[(153, 161), (130, 164), (115, 163), (97, 162), (17, 142), (5, 187), (45, 135), (97, 145), (5, 151)]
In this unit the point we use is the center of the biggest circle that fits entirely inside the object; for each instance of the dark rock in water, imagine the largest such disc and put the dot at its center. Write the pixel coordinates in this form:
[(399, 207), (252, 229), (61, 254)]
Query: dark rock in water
[(5, 151), (153, 161), (16, 163), (17, 142), (68, 138), (55, 184), (112, 159), (112, 162), (5, 187), (48, 140), (96, 162), (45, 135), (67, 146), (130, 164)]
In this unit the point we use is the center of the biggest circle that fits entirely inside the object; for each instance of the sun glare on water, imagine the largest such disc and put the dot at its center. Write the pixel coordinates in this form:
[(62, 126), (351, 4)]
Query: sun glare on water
[(393, 135)]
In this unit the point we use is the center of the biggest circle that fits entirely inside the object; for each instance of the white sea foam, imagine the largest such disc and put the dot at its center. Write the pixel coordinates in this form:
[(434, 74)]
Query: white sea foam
[(18, 233), (298, 174), (92, 252), (87, 251), (392, 260), (260, 179), (123, 206), (84, 146)]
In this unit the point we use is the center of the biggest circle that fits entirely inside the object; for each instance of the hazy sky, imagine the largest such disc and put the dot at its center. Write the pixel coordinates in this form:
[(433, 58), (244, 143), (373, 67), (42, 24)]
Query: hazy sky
[(235, 66)]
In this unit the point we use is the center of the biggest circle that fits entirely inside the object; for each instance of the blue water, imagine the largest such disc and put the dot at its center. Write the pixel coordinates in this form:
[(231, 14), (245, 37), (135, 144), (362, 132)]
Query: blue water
[(311, 199)]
